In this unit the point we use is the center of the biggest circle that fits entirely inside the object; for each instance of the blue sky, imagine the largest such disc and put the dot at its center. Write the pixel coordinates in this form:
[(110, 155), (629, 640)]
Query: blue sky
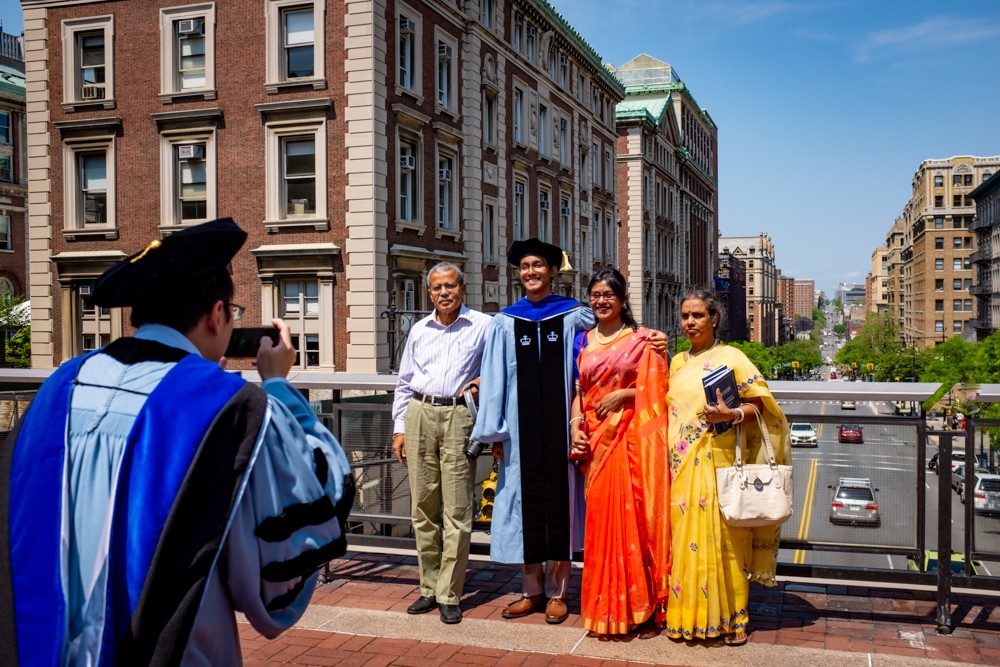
[(825, 108)]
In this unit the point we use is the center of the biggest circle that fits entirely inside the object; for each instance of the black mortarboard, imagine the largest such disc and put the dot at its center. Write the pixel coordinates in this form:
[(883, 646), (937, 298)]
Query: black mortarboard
[(552, 254), (178, 260)]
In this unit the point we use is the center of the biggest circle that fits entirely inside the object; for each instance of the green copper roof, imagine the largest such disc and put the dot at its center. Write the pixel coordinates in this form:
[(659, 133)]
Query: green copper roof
[(638, 108), (12, 83)]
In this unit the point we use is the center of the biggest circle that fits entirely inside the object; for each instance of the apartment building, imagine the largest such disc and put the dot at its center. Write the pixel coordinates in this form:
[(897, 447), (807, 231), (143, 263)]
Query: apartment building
[(731, 288), (895, 250), (876, 294), (986, 258), (757, 253), (358, 143), (938, 271), (13, 168), (667, 190)]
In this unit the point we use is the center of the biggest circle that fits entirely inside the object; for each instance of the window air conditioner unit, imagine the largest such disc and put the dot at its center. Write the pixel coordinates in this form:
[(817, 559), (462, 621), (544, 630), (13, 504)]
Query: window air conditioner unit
[(190, 27), (93, 92), (444, 50), (564, 210), (406, 25), (518, 188), (444, 174), (406, 162), (543, 205), (191, 152), (563, 59)]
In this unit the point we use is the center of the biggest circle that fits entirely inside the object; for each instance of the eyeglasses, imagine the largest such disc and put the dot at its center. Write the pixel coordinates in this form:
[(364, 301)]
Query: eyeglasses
[(236, 311), (607, 296), (444, 287), (537, 266)]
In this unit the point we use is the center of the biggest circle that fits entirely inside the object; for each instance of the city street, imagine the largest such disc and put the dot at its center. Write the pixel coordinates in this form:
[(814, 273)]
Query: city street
[(887, 457)]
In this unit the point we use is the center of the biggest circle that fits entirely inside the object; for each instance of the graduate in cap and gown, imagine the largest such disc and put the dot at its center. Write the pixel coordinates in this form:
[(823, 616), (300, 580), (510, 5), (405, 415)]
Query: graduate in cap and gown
[(525, 389), (148, 494)]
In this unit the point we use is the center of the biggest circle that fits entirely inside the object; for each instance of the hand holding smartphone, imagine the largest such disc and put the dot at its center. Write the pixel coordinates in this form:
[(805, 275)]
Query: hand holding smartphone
[(245, 342)]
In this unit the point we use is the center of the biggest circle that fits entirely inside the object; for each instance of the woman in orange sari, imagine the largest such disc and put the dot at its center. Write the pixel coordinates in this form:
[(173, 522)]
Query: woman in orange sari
[(618, 426)]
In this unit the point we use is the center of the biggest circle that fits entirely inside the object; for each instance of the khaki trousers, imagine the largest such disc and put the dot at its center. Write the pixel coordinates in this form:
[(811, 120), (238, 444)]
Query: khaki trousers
[(441, 487)]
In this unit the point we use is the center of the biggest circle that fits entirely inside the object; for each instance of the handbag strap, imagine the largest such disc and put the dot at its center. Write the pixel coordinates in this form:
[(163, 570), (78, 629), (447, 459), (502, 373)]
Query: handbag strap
[(764, 435)]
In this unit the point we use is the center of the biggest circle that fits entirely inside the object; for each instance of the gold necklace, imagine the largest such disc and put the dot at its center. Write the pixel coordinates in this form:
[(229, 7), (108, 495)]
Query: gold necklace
[(688, 354), (597, 334)]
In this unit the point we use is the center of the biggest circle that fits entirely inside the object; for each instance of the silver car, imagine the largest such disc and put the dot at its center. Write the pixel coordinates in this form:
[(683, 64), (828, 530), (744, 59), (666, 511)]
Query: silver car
[(985, 494), (803, 435), (854, 501)]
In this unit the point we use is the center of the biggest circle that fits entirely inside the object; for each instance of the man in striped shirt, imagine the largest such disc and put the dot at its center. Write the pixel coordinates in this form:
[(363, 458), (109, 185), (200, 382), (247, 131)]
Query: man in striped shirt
[(431, 426)]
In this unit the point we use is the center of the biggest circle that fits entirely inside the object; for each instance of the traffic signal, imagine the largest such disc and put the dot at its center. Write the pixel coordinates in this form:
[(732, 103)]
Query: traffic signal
[(489, 493)]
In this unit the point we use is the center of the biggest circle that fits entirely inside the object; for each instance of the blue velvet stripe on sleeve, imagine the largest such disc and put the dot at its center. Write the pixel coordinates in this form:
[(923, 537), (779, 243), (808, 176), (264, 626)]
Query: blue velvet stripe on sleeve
[(35, 518), (161, 447)]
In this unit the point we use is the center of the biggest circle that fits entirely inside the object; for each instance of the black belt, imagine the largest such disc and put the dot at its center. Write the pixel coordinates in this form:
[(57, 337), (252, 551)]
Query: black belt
[(439, 401)]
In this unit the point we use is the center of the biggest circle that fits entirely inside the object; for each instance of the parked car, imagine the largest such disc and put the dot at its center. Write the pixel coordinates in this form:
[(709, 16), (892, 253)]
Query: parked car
[(985, 494), (931, 563), (850, 433), (958, 478), (854, 502), (848, 405), (804, 435)]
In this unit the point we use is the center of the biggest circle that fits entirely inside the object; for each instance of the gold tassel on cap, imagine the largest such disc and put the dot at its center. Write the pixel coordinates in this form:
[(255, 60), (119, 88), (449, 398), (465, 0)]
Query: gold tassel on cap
[(152, 246), (565, 266)]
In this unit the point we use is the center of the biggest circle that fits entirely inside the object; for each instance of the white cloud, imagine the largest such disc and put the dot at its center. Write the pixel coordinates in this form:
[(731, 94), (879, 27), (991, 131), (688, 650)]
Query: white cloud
[(932, 33)]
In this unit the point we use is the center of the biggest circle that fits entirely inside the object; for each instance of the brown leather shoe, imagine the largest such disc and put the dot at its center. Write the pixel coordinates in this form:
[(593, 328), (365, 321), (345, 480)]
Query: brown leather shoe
[(556, 611), (526, 604)]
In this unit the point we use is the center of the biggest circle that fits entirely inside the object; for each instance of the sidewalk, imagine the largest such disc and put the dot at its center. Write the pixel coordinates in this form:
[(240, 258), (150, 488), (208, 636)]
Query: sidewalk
[(359, 618)]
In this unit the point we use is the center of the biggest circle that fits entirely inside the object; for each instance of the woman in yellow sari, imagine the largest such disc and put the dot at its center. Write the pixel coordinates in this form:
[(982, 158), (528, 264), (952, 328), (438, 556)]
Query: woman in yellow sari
[(618, 424), (712, 562)]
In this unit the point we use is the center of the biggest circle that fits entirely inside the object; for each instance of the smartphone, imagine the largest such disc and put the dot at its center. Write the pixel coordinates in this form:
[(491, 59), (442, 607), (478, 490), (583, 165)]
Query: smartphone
[(245, 342)]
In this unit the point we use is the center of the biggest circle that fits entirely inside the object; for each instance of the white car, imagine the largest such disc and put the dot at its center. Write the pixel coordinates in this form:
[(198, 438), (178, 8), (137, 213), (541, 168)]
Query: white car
[(804, 435)]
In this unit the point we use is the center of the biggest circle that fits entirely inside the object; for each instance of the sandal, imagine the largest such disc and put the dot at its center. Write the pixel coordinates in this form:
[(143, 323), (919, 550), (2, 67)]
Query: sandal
[(738, 638)]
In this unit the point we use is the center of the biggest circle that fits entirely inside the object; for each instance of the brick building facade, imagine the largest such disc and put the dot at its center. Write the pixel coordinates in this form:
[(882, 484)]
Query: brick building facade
[(13, 168), (357, 143)]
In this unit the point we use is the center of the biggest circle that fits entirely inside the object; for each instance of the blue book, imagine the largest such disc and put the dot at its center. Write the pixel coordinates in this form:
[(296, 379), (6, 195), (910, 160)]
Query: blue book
[(724, 379)]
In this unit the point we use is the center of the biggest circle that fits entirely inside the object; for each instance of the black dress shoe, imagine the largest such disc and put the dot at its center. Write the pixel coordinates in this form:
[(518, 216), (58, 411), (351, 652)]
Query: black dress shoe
[(451, 613), (423, 605)]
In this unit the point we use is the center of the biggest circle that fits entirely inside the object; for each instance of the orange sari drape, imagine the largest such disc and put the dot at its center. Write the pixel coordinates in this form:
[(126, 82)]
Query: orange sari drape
[(627, 542)]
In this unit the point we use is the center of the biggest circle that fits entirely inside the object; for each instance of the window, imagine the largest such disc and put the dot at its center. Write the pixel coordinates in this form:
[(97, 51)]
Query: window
[(518, 210), (607, 169), (296, 165), (489, 118), (939, 243), (957, 242), (544, 220), (597, 236), (187, 181), (95, 323), (518, 114), (408, 177), (939, 264), (88, 64), (529, 50), (966, 179), (543, 129), (489, 232), (967, 284), (187, 48), (486, 15), (300, 308), (517, 33), (553, 55), (583, 168), (5, 239), (93, 170), (609, 239), (296, 44), (565, 215), (956, 264), (938, 222), (938, 201), (409, 52), (955, 284), (967, 263), (956, 179), (956, 305), (956, 326), (446, 204), (939, 285), (563, 69), (298, 156), (595, 177), (563, 141), (939, 181), (6, 135), (7, 168), (967, 305), (445, 75), (956, 200)]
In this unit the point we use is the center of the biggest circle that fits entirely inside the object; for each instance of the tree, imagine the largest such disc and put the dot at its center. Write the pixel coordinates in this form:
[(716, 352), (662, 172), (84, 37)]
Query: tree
[(839, 329), (762, 357), (15, 318)]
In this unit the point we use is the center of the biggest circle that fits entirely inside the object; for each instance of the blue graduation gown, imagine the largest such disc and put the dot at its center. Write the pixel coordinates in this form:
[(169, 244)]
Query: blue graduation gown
[(499, 421)]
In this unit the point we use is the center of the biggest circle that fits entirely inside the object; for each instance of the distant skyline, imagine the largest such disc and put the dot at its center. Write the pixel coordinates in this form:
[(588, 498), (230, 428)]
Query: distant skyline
[(825, 108)]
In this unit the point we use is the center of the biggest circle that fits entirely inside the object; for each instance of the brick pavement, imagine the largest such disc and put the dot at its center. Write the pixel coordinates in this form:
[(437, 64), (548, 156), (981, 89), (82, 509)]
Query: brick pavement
[(358, 618)]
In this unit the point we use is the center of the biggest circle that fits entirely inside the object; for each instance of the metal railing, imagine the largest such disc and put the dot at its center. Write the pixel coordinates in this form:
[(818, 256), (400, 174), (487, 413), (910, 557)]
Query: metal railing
[(363, 424)]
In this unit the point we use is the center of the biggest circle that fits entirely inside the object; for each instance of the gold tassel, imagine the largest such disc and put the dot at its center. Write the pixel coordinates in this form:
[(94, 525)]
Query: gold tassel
[(151, 246), (565, 266)]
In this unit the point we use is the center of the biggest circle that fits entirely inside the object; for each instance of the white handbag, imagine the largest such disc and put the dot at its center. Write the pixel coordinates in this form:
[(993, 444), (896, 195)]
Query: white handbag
[(755, 494)]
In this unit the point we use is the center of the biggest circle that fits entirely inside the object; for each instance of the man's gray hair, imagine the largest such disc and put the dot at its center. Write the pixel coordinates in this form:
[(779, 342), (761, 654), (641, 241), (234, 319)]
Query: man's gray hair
[(444, 267)]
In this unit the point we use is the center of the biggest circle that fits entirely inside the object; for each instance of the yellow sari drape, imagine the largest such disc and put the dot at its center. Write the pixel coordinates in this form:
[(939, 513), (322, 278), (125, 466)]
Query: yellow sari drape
[(713, 563), (627, 542)]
